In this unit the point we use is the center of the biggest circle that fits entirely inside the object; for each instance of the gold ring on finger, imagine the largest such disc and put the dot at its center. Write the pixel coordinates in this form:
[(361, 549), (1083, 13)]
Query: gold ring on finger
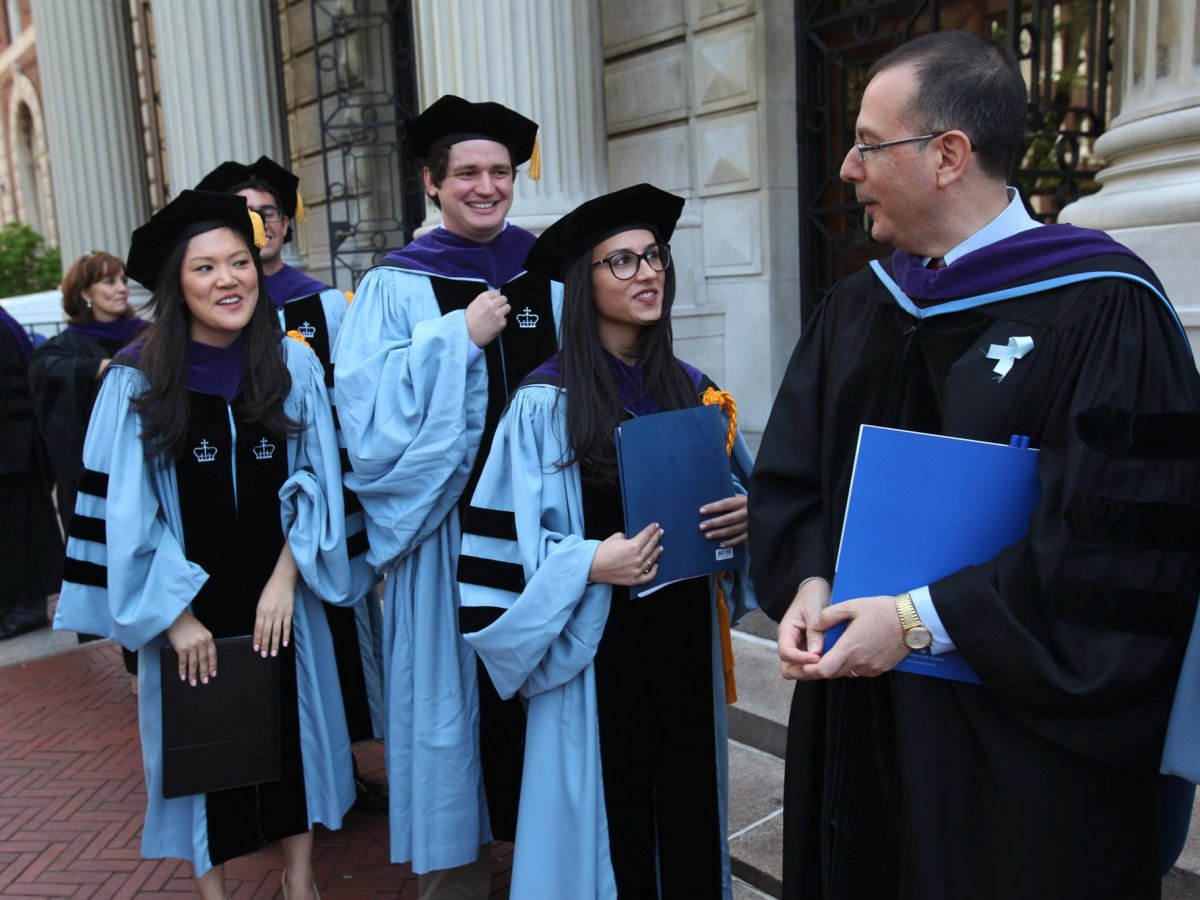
[(646, 571), (853, 674)]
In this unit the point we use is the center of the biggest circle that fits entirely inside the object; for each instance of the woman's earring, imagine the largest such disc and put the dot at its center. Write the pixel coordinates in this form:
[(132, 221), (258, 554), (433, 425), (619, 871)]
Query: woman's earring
[(87, 303)]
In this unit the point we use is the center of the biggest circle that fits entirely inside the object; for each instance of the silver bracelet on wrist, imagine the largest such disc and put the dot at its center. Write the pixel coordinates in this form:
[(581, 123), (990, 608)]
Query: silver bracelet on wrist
[(820, 578)]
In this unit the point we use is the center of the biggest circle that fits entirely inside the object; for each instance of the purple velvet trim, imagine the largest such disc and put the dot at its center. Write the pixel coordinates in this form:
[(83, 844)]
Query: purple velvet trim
[(289, 283), (20, 335), (215, 370), (1016, 258), (631, 384), (120, 332), (444, 253)]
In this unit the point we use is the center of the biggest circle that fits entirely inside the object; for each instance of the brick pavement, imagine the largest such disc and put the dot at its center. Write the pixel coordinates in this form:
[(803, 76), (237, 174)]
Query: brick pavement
[(72, 800)]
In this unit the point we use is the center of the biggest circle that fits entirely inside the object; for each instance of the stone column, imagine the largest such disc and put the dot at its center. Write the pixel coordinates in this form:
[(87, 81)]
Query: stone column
[(220, 96), (541, 58), (1150, 191), (91, 121)]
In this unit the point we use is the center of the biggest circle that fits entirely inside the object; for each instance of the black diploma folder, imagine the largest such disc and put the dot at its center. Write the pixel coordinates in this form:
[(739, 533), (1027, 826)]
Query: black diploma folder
[(671, 464), (223, 734)]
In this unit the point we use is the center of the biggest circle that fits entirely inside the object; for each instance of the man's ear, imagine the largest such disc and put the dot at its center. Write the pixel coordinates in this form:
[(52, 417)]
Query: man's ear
[(954, 153), (430, 187)]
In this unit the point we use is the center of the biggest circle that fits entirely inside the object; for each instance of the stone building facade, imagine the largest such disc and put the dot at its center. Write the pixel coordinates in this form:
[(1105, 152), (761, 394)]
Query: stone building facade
[(26, 192), (696, 96)]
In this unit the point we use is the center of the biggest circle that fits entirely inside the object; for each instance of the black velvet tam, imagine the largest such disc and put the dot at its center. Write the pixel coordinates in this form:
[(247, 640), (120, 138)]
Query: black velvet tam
[(451, 119), (189, 214), (640, 206), (233, 176)]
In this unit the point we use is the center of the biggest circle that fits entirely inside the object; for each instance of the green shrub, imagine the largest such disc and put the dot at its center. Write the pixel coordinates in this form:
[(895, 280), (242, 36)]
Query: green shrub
[(27, 263)]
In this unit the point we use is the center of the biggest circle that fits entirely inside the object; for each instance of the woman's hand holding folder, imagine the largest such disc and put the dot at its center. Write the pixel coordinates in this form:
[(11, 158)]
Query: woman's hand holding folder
[(195, 647), (627, 561), (730, 523)]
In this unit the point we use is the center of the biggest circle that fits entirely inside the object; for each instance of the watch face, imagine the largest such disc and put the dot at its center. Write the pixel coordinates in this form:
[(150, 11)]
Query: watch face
[(918, 638)]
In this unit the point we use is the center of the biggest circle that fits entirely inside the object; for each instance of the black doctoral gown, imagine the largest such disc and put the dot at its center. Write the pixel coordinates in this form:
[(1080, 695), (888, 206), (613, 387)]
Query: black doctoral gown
[(62, 377), (30, 546), (1042, 782)]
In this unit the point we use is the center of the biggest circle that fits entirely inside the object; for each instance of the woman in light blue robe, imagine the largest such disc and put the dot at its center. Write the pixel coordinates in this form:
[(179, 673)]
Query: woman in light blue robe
[(626, 776), (216, 348)]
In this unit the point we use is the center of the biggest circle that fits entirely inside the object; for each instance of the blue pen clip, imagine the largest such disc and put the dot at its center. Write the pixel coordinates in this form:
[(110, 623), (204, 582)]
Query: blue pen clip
[(1019, 441)]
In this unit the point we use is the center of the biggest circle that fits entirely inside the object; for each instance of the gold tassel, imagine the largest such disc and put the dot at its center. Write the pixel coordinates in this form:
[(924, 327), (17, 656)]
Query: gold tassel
[(260, 232), (349, 297), (299, 207), (724, 400), (535, 159), (726, 632), (297, 336)]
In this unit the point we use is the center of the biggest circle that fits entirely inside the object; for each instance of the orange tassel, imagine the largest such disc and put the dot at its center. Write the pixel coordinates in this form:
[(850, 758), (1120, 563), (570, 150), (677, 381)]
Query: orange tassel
[(726, 646), (724, 400), (299, 207), (349, 297)]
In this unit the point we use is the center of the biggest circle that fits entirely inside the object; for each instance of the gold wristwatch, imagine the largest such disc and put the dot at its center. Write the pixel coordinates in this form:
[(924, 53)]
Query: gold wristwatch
[(916, 635)]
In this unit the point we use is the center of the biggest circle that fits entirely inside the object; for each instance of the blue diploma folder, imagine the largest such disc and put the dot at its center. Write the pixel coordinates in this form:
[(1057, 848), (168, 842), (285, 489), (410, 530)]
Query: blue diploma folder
[(923, 506), (671, 464)]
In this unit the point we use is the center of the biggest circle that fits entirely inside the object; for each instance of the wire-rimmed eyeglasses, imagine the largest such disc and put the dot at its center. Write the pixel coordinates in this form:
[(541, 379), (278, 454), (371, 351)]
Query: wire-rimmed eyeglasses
[(864, 149), (624, 264)]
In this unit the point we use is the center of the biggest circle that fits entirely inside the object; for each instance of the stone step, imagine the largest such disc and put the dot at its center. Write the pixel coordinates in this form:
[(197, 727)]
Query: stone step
[(743, 891), (759, 718), (757, 742), (1183, 881), (756, 819)]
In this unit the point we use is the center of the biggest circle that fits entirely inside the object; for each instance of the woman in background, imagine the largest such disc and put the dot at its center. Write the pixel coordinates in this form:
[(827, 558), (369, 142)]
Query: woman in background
[(65, 372), (212, 462), (625, 783)]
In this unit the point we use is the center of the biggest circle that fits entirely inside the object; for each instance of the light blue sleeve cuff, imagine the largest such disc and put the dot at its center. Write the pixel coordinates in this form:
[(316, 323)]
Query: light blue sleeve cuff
[(473, 352), (930, 619)]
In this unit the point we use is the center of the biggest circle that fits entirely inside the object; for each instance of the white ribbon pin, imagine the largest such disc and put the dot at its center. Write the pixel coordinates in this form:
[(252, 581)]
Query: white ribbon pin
[(1007, 354)]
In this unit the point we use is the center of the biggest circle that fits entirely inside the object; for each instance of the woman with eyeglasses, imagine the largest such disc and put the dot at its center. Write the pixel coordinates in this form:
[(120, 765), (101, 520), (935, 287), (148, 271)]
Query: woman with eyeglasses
[(209, 507), (625, 769), (65, 372)]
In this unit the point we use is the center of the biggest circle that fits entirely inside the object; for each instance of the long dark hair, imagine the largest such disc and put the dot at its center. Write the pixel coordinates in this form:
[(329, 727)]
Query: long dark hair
[(164, 406), (593, 401)]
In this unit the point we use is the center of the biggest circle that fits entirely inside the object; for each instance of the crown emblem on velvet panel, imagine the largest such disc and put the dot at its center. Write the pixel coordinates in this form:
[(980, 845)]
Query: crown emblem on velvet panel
[(205, 453)]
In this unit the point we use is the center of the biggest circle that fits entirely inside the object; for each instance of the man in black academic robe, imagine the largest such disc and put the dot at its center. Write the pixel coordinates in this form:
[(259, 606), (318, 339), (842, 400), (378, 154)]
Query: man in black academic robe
[(1042, 781)]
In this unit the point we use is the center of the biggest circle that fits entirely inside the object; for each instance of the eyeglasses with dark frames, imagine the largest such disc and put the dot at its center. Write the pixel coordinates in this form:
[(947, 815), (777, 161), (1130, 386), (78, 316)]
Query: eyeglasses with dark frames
[(864, 149), (624, 264)]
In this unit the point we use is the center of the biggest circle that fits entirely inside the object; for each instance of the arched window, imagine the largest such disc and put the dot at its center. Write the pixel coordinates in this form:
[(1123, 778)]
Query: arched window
[(29, 193)]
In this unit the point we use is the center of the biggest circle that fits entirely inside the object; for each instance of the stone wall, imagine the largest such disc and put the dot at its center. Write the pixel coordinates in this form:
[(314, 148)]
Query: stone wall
[(700, 99)]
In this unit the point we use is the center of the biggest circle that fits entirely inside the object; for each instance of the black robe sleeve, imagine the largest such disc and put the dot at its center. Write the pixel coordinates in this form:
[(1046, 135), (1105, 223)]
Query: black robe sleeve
[(788, 525), (1079, 629), (62, 377)]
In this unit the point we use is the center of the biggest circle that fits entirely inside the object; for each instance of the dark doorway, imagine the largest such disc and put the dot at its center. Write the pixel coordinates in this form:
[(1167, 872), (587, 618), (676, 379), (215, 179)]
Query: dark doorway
[(365, 56)]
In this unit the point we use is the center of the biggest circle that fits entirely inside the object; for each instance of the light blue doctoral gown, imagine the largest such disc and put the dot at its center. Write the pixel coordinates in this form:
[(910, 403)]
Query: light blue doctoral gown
[(412, 411), (150, 582), (543, 646)]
